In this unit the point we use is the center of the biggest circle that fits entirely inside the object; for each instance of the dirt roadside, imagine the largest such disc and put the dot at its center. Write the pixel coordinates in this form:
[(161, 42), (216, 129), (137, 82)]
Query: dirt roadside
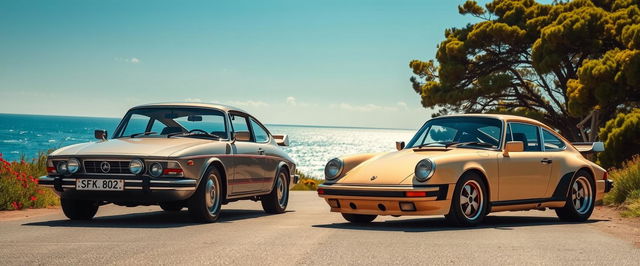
[(27, 213), (623, 228)]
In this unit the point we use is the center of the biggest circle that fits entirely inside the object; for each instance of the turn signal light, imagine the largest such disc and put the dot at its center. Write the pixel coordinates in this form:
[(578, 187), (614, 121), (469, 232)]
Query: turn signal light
[(415, 194), (605, 176), (407, 206), (51, 170), (172, 171), (320, 191)]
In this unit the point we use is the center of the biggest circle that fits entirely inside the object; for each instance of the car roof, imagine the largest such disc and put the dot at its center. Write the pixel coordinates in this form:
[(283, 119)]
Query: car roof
[(217, 106), (508, 118)]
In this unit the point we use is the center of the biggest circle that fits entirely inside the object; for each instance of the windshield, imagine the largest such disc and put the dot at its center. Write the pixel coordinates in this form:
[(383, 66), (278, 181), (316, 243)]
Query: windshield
[(468, 132), (169, 122)]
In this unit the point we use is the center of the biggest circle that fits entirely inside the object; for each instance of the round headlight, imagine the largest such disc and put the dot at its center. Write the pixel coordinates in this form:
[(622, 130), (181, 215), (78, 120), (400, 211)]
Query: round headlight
[(424, 170), (73, 165), (136, 166), (155, 170), (62, 168), (333, 168)]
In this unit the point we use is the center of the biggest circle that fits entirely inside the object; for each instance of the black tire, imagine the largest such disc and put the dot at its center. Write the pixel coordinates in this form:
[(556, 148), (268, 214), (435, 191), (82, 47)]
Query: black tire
[(79, 209), (579, 205), (277, 201), (174, 206), (359, 218), (471, 187), (204, 206)]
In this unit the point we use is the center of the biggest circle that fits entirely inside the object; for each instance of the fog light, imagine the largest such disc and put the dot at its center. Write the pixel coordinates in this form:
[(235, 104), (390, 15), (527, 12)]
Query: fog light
[(334, 203), (407, 206)]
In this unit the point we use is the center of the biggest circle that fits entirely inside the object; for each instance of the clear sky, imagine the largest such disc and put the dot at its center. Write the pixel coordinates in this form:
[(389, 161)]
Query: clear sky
[(340, 62)]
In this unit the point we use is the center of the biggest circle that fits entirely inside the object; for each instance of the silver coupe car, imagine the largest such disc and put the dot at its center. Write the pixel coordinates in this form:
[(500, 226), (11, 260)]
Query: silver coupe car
[(176, 155)]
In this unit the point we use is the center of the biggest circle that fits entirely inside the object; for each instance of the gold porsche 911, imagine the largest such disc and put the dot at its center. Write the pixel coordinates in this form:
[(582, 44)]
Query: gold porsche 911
[(466, 166)]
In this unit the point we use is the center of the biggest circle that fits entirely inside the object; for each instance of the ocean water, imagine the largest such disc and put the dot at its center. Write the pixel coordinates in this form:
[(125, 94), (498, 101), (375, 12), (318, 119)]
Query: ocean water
[(311, 147)]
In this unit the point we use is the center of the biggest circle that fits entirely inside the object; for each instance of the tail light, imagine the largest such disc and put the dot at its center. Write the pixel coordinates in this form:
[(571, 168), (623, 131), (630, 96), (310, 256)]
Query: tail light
[(605, 176), (320, 191)]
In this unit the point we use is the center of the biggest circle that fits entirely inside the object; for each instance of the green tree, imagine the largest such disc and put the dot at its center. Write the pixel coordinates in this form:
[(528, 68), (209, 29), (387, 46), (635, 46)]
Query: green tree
[(621, 137), (553, 62)]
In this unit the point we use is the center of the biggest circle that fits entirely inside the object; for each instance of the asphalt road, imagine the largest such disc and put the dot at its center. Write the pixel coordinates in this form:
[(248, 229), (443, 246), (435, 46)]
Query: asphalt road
[(306, 234)]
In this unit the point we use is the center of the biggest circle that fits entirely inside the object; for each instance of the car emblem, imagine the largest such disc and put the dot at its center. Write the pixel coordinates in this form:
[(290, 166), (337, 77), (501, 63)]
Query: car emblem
[(373, 178), (105, 167)]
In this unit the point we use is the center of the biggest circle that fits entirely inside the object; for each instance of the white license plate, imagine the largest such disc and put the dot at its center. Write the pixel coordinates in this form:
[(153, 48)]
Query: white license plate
[(100, 184)]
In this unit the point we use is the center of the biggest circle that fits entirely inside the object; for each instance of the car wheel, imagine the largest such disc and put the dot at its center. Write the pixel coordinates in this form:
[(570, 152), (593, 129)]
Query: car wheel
[(469, 203), (79, 209), (278, 199), (206, 202), (172, 206), (580, 199), (359, 218)]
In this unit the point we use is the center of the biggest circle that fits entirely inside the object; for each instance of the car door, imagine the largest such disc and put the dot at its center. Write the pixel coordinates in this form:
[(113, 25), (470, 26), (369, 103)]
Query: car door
[(269, 162), (524, 175), (246, 159)]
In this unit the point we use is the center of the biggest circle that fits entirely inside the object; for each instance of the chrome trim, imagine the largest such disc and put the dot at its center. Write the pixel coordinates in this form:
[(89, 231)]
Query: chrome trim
[(187, 181), (172, 188)]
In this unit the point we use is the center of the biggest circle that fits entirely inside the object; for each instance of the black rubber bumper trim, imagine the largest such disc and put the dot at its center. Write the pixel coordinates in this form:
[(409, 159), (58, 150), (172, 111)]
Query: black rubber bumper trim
[(608, 185), (440, 194)]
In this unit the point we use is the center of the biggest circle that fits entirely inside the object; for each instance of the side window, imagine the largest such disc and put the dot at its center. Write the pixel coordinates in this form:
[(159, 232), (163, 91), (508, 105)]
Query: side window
[(259, 133), (137, 124), (528, 134), (551, 142), (240, 123)]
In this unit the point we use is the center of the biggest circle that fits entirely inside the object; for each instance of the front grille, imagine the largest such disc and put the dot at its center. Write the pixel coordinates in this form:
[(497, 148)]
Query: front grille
[(114, 167)]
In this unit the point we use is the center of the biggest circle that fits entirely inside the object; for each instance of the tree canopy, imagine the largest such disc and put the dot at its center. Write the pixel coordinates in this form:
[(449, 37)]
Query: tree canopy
[(553, 62)]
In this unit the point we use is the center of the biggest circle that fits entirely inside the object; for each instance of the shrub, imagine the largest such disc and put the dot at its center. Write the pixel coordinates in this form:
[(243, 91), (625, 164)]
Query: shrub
[(306, 183), (626, 188), (19, 185), (621, 137)]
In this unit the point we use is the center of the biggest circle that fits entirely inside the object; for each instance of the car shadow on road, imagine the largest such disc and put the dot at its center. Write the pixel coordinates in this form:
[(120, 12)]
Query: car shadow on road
[(158, 219), (433, 224)]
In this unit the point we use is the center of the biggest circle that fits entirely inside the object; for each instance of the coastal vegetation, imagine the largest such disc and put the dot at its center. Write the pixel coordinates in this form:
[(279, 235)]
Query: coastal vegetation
[(306, 182), (626, 191), (19, 184), (571, 64)]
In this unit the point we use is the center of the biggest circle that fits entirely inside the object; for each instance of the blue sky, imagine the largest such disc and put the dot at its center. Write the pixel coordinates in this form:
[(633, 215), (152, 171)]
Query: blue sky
[(341, 63)]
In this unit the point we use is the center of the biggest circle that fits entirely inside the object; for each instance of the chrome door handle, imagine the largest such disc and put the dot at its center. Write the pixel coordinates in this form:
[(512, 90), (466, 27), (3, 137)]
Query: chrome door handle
[(546, 161), (260, 151)]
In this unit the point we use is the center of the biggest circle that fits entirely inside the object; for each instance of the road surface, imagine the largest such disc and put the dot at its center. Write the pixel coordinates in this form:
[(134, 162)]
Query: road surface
[(306, 234)]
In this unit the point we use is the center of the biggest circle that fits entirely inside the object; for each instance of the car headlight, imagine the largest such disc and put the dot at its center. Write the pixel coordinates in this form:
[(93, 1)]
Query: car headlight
[(136, 166), (333, 168), (155, 170), (424, 170), (73, 165), (62, 167)]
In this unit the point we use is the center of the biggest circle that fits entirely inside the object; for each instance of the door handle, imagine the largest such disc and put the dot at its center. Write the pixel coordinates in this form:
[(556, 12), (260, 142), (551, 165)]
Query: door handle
[(260, 151), (546, 161)]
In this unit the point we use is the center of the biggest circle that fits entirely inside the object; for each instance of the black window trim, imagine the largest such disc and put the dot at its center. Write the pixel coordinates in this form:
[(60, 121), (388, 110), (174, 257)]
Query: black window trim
[(510, 131)]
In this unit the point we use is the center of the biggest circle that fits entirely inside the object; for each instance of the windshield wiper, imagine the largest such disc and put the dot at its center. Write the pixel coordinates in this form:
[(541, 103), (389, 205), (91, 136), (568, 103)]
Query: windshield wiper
[(142, 133), (482, 144), (442, 143), (191, 134)]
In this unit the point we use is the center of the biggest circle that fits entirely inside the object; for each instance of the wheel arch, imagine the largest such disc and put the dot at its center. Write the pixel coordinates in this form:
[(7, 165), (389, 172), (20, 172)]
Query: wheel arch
[(483, 176), (218, 164), (281, 165)]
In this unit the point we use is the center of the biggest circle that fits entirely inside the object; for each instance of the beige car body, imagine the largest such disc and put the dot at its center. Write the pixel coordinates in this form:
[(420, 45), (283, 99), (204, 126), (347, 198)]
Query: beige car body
[(248, 168), (515, 180)]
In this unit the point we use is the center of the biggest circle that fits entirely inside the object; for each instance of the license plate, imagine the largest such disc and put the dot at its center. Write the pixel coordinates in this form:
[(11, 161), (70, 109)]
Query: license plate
[(100, 184)]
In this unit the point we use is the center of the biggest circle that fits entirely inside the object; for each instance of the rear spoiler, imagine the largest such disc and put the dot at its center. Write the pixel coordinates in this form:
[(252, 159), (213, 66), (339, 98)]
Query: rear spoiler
[(588, 147), (282, 140)]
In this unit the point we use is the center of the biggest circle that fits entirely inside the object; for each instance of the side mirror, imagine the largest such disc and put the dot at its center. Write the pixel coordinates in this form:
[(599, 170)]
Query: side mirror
[(282, 140), (399, 145), (513, 146), (100, 134), (241, 136)]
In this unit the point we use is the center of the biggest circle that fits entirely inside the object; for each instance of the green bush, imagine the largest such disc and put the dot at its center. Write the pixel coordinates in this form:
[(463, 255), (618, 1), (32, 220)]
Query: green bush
[(19, 185), (621, 137), (626, 188), (306, 183)]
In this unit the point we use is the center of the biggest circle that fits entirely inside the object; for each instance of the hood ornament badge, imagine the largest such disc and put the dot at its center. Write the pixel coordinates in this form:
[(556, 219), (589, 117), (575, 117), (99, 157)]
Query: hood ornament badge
[(373, 178)]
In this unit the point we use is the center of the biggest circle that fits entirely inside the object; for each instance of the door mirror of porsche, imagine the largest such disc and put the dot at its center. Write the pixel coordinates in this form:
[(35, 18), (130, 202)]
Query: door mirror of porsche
[(513, 146), (399, 145), (100, 134), (242, 136)]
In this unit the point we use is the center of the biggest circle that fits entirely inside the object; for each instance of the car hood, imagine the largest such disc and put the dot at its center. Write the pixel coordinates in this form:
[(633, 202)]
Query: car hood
[(157, 147), (395, 168)]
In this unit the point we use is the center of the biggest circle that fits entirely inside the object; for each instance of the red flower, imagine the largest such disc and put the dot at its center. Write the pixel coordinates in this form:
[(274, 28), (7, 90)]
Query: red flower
[(33, 198), (14, 205)]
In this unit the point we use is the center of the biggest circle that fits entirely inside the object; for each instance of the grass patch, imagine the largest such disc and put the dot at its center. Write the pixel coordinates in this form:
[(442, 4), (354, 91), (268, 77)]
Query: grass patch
[(306, 183), (626, 189), (19, 187)]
